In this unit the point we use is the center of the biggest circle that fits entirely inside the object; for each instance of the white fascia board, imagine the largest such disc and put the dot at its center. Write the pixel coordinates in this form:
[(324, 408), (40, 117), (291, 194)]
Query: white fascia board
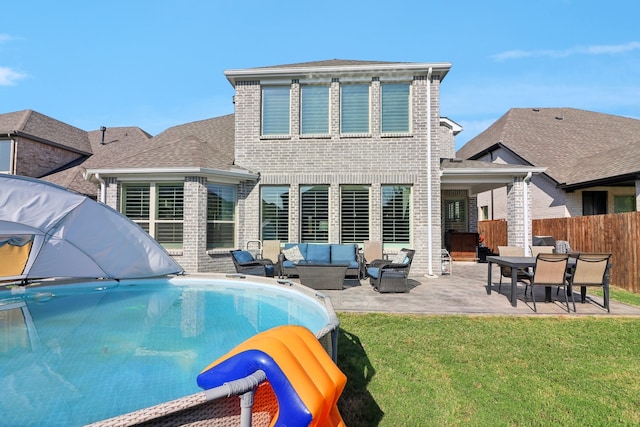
[(168, 173), (338, 70), (489, 171)]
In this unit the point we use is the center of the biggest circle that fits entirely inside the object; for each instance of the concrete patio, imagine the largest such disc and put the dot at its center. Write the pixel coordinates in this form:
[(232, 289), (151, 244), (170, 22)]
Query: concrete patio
[(464, 292)]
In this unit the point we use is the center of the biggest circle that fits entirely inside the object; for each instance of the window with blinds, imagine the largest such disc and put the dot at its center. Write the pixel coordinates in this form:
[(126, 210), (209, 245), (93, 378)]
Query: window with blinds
[(169, 215), (275, 110), (5, 155), (396, 214), (221, 216), (136, 202), (314, 110), (354, 214), (158, 209), (395, 108), (274, 213), (314, 214), (354, 108)]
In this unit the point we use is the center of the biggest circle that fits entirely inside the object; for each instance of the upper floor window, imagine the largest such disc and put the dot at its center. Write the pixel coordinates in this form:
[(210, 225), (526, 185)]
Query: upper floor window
[(314, 110), (395, 108), (221, 216), (274, 213), (5, 155), (275, 110), (396, 214), (158, 208), (354, 108), (314, 214)]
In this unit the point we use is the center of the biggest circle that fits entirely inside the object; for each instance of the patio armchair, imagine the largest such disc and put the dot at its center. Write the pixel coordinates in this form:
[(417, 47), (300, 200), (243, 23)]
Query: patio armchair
[(591, 270), (391, 275), (550, 270), (523, 274), (245, 263)]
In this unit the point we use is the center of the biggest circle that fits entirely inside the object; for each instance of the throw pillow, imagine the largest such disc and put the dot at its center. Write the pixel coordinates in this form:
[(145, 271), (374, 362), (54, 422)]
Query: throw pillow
[(293, 254), (400, 257)]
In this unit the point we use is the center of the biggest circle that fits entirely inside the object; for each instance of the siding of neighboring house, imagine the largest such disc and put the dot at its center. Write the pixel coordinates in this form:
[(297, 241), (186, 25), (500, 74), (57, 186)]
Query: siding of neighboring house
[(37, 159), (337, 160)]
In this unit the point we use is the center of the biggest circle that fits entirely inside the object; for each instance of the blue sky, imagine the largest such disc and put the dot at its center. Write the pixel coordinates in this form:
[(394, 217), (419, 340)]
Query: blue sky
[(160, 63)]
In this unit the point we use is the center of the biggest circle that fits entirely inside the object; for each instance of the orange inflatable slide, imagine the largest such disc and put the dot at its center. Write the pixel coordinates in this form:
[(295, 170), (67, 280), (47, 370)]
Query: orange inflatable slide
[(306, 381)]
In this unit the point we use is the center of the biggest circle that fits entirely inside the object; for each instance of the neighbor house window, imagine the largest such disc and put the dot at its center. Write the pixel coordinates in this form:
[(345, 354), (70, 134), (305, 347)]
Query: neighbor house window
[(624, 204), (275, 110), (274, 213), (396, 214), (221, 216), (395, 108), (354, 224), (354, 108), (314, 214), (5, 155), (314, 110), (594, 202), (158, 208)]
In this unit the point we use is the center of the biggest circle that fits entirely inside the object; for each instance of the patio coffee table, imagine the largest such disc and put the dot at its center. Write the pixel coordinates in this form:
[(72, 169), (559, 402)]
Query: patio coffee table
[(321, 275)]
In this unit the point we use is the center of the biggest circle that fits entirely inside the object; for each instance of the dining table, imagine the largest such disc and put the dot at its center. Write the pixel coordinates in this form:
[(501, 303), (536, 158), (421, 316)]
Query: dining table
[(516, 262)]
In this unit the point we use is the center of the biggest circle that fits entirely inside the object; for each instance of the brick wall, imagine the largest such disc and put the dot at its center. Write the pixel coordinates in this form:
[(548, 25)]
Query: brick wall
[(335, 160), (36, 159)]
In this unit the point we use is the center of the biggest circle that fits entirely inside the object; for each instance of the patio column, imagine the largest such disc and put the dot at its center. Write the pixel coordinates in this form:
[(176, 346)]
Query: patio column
[(518, 214), (637, 194)]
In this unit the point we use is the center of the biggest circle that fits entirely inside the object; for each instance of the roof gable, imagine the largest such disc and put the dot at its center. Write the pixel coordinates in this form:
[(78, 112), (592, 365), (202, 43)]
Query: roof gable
[(33, 125), (563, 140)]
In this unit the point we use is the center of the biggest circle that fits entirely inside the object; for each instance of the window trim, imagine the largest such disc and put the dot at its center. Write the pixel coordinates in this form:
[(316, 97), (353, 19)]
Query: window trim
[(313, 107), (409, 231), (153, 221), (392, 133), (316, 232), (355, 133), (211, 222), (358, 212), (285, 210), (277, 133)]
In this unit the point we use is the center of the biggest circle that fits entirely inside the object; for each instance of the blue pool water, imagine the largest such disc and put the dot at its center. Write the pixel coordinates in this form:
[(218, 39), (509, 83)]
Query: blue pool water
[(74, 354)]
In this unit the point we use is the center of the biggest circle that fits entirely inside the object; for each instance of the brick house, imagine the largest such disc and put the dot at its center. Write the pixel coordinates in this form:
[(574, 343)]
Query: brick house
[(329, 151), (592, 161)]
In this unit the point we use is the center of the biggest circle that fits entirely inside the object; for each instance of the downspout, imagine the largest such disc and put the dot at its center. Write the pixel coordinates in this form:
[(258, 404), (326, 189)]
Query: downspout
[(525, 192), (429, 192), (103, 189)]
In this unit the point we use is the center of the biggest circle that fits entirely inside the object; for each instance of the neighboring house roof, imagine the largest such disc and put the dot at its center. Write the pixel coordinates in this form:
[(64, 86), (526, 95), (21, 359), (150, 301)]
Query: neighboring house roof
[(119, 142), (33, 125), (334, 67), (577, 147)]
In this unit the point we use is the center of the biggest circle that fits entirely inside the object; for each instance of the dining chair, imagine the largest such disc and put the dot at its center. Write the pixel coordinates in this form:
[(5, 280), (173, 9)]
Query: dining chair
[(550, 270), (523, 274), (591, 270), (271, 251), (535, 250), (372, 250)]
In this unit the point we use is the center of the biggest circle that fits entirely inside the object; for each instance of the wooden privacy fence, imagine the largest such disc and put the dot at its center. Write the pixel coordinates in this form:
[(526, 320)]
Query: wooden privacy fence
[(618, 234)]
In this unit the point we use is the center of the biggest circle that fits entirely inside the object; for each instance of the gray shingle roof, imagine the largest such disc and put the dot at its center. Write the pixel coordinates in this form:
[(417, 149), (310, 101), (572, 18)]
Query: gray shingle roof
[(205, 144), (118, 142), (575, 145), (47, 130)]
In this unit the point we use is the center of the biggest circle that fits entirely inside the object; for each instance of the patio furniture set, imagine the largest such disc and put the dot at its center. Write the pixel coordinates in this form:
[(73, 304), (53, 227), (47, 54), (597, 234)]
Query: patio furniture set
[(548, 269), (326, 266)]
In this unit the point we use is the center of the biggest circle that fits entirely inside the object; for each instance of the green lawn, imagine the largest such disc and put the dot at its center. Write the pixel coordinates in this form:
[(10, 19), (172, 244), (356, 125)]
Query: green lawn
[(406, 370)]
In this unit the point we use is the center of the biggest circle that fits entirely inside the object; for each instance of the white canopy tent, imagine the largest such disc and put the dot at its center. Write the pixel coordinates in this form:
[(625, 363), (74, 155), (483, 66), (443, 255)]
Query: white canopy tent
[(71, 235)]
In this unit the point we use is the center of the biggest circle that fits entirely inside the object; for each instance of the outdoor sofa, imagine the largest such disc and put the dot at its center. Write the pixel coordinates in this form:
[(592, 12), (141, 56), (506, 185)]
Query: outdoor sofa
[(321, 253)]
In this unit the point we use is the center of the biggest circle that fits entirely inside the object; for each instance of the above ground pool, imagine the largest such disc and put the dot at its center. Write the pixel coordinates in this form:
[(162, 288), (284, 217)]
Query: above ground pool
[(73, 354)]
